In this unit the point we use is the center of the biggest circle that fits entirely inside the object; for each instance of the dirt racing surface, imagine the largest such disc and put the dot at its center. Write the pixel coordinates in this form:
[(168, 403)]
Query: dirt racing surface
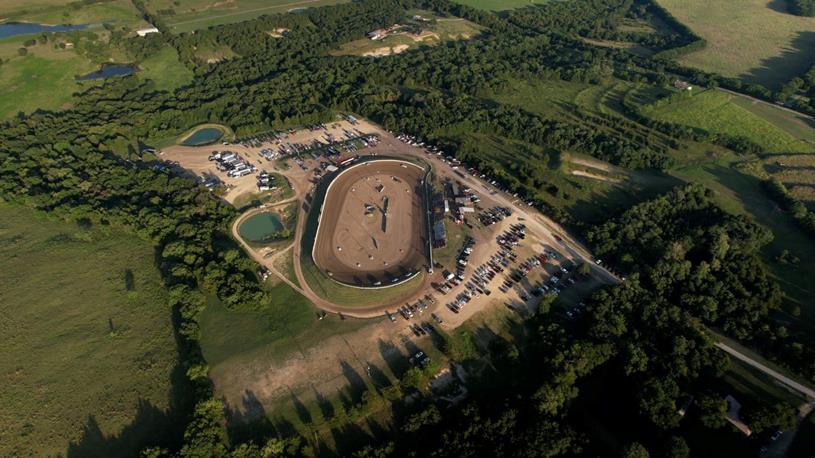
[(372, 229)]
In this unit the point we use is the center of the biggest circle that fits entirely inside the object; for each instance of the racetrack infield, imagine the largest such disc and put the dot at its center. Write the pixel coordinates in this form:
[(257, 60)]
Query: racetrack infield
[(371, 229)]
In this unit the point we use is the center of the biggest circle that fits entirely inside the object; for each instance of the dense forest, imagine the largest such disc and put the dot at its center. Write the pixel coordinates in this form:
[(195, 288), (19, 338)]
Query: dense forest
[(688, 264)]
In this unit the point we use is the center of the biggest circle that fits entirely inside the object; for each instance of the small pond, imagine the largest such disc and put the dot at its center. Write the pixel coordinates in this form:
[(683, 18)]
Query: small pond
[(261, 227), (10, 29), (109, 70), (203, 136)]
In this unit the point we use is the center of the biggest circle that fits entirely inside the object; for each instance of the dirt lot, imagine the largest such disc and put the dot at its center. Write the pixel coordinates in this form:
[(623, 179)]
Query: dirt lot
[(372, 223), (194, 159)]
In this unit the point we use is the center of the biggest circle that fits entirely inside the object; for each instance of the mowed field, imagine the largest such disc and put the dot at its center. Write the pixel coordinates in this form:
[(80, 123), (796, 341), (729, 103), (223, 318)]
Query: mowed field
[(189, 15), (88, 348), (755, 40)]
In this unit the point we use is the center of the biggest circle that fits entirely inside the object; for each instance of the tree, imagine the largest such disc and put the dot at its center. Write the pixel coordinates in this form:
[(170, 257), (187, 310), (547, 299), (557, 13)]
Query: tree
[(635, 450), (766, 417), (713, 410), (677, 448), (22, 51)]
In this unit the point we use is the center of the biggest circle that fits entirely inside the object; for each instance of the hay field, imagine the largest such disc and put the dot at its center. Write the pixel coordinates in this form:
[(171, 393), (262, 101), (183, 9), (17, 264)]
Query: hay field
[(88, 350), (755, 40)]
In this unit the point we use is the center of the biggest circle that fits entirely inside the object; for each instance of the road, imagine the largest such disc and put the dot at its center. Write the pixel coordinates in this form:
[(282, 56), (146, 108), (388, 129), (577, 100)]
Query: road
[(780, 107)]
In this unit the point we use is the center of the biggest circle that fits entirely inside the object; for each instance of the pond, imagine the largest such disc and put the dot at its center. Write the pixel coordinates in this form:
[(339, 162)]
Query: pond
[(109, 70), (261, 227), (10, 29), (203, 136)]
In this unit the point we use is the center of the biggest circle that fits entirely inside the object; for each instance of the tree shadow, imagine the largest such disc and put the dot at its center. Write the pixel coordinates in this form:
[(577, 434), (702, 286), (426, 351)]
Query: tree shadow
[(130, 280), (394, 358), (301, 410), (148, 428), (325, 406), (794, 60), (356, 384), (378, 377), (779, 6), (348, 437)]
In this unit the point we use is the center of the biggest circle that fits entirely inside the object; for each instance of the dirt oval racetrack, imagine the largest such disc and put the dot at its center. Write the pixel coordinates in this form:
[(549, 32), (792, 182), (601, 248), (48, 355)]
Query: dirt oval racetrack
[(371, 230)]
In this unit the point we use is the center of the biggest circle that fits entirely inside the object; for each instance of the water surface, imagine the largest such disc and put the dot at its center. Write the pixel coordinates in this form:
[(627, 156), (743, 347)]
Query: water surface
[(11, 29), (261, 228), (203, 136)]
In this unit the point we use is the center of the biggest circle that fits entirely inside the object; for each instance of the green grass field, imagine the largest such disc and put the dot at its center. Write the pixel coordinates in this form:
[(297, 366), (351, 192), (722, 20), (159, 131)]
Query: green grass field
[(290, 324), (189, 15), (499, 5), (87, 339), (165, 70), (755, 40), (720, 112), (45, 77)]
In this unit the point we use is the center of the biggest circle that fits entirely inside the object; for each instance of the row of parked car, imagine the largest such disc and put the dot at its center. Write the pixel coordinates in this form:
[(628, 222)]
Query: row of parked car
[(493, 215)]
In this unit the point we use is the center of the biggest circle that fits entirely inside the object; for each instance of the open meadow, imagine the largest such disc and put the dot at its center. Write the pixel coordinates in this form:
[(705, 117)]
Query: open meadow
[(755, 40), (88, 353)]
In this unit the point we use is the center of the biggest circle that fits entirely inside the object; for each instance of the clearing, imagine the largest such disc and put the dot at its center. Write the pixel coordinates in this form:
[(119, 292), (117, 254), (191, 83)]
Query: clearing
[(755, 40)]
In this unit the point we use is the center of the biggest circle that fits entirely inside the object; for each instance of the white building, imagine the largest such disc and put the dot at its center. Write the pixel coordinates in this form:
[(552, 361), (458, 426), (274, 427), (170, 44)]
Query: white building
[(143, 32)]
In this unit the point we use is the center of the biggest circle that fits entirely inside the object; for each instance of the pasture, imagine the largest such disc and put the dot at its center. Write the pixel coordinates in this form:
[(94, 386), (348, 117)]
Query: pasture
[(88, 350), (754, 40), (720, 112), (189, 15)]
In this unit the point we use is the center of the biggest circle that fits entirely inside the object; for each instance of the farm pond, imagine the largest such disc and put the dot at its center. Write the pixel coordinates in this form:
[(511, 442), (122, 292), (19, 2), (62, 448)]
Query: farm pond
[(203, 136), (261, 228)]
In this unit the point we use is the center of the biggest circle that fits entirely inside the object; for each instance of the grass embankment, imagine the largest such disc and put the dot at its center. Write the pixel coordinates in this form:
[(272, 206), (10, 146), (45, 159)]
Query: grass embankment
[(755, 40), (88, 347)]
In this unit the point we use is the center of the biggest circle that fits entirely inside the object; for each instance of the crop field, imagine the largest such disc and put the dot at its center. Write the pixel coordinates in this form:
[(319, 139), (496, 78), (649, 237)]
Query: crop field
[(88, 351), (500, 5), (445, 29), (718, 111), (755, 40), (797, 172), (189, 15)]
